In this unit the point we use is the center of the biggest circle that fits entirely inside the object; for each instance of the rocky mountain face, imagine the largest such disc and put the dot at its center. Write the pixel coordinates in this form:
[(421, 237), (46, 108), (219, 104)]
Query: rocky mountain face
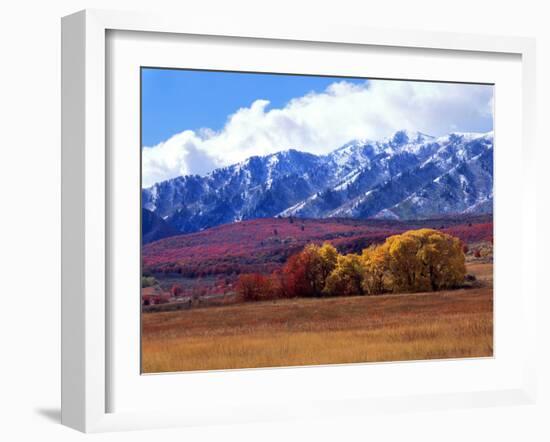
[(407, 176), (153, 227)]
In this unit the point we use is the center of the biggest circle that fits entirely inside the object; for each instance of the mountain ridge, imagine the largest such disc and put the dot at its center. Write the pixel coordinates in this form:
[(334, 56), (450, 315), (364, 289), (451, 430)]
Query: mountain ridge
[(406, 176)]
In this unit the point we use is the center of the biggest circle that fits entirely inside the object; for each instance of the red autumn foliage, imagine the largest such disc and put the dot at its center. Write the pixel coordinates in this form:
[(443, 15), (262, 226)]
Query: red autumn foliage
[(472, 233), (251, 247), (254, 287), (176, 290), (294, 276), (155, 299)]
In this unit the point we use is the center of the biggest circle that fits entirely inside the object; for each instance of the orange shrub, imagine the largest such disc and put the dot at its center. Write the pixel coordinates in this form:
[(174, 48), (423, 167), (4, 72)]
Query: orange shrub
[(254, 287)]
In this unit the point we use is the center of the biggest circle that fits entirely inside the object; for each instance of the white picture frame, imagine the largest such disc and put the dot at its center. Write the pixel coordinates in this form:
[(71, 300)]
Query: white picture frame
[(85, 235)]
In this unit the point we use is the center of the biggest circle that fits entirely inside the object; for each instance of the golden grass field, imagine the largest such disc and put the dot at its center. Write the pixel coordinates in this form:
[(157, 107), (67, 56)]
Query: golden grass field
[(436, 325)]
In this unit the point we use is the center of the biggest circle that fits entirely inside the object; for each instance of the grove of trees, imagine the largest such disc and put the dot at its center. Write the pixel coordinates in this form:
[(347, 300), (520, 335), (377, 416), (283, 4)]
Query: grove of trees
[(417, 260)]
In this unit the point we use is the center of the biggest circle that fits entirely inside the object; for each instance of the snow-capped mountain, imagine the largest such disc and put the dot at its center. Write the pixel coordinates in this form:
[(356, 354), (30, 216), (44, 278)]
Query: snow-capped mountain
[(409, 175)]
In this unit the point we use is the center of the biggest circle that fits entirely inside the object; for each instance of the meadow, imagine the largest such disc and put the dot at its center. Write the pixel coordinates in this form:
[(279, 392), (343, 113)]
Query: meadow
[(287, 332)]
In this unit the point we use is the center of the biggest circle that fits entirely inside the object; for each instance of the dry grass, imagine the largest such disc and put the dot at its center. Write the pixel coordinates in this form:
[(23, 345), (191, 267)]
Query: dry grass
[(449, 324)]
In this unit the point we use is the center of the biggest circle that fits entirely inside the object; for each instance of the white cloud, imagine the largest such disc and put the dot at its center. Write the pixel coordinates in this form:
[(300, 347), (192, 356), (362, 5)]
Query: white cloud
[(321, 122)]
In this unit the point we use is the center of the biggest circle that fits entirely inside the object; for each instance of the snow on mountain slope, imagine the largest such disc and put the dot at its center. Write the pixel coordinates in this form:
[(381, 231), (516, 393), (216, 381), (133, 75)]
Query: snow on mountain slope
[(406, 176)]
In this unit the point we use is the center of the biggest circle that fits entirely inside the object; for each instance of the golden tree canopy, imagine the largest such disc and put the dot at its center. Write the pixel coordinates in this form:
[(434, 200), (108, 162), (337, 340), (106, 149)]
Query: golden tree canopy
[(347, 276), (375, 263), (425, 259)]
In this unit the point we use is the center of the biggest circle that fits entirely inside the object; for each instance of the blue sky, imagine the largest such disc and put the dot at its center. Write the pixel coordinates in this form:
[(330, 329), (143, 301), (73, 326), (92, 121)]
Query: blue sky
[(196, 121), (177, 99)]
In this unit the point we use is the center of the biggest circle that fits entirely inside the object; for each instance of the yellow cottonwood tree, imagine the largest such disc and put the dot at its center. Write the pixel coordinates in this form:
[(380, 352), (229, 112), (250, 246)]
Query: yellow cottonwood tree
[(442, 259), (320, 262), (329, 256), (375, 264), (403, 263), (425, 259), (417, 260), (347, 277)]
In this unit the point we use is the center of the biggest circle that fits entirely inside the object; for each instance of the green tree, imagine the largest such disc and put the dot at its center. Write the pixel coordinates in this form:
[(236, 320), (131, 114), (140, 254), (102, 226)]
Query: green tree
[(148, 281)]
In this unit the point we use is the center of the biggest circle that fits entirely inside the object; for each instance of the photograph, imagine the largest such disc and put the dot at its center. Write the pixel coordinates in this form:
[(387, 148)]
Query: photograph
[(298, 220)]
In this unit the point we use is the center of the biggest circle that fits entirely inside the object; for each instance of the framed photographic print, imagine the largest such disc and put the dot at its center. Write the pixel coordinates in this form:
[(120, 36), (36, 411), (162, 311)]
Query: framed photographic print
[(254, 255), (276, 223)]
